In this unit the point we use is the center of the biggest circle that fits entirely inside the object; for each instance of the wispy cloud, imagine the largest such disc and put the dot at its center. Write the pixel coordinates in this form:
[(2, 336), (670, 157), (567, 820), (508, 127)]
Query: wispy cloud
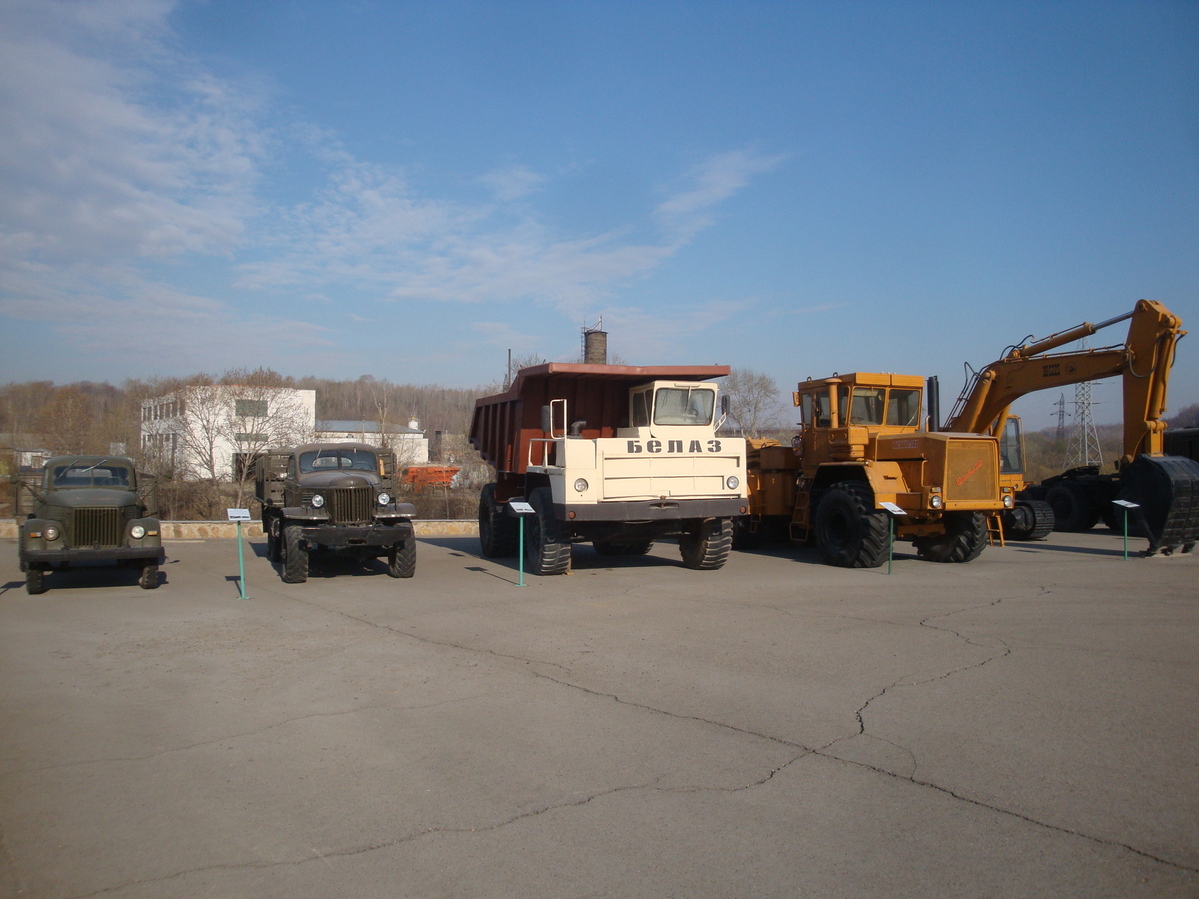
[(690, 208)]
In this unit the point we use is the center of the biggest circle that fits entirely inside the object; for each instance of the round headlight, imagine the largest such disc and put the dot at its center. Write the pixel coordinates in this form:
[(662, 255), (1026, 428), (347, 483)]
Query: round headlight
[(137, 532), (581, 485), (1008, 501), (50, 533), (317, 500), (733, 482), (935, 501), (384, 498)]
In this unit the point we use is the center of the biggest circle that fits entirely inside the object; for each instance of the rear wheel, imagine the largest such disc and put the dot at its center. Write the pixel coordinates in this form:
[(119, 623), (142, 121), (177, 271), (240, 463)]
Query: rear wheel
[(35, 581), (274, 538), (1071, 507), (148, 580), (964, 539), (401, 558), (497, 529), (850, 532), (295, 556), (548, 543), (707, 546)]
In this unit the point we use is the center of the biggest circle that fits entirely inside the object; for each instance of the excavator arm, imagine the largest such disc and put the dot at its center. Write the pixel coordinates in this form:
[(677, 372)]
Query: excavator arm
[(1144, 361)]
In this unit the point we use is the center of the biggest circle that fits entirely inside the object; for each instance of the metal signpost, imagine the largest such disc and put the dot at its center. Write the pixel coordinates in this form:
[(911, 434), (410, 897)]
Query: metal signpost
[(895, 512), (520, 509), (240, 515), (1127, 507)]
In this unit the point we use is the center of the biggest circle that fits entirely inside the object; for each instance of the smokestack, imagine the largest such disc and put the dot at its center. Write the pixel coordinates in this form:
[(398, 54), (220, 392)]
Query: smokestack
[(595, 347)]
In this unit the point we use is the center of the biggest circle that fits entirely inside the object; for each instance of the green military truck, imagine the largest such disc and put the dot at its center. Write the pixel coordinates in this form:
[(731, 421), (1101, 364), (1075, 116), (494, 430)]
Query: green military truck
[(89, 511), (335, 497)]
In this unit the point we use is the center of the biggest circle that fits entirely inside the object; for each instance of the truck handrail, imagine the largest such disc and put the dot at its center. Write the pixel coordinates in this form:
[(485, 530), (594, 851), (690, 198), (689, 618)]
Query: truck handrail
[(547, 458)]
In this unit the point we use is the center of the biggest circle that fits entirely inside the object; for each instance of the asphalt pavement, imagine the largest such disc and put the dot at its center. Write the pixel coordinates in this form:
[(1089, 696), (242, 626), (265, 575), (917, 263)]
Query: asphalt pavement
[(1022, 725)]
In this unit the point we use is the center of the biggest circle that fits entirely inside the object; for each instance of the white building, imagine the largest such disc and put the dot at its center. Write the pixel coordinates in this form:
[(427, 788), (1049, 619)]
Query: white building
[(408, 443), (217, 431)]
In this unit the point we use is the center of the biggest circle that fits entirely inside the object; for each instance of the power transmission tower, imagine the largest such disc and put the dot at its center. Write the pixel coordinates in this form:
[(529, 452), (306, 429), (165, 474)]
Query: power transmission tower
[(1083, 448), (1061, 417)]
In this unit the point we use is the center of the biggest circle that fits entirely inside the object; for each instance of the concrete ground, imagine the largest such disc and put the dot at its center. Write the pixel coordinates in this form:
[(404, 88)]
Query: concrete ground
[(1024, 725)]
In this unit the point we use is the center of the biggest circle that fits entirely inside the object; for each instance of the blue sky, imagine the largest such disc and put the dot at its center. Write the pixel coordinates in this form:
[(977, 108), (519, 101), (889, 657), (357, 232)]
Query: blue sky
[(409, 190)]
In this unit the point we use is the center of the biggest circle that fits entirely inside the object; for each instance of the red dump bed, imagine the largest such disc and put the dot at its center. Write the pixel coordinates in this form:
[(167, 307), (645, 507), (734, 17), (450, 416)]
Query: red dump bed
[(504, 424)]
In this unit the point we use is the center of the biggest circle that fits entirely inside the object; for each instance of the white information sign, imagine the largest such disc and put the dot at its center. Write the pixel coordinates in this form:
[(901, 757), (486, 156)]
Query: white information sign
[(238, 514), (893, 509), (1126, 504), (520, 507)]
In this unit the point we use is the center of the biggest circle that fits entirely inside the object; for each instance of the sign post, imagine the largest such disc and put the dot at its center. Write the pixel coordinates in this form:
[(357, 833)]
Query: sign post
[(520, 509), (1127, 507), (893, 513), (240, 515)]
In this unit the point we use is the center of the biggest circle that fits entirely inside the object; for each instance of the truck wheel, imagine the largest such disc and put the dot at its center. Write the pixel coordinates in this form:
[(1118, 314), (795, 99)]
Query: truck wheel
[(497, 529), (401, 558), (548, 542), (707, 546), (295, 557), (1071, 507), (1032, 519), (274, 539), (148, 580), (35, 581), (850, 532), (964, 539)]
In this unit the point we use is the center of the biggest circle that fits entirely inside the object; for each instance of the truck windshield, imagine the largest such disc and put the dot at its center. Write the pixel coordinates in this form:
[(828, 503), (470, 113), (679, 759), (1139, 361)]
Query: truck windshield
[(89, 475), (1010, 460), (328, 459), (903, 407), (684, 406)]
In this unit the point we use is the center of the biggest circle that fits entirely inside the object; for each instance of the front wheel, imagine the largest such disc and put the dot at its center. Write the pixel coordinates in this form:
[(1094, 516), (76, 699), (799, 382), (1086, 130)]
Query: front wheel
[(850, 532), (548, 544), (35, 581), (148, 580), (401, 558), (706, 546), (295, 556), (964, 539)]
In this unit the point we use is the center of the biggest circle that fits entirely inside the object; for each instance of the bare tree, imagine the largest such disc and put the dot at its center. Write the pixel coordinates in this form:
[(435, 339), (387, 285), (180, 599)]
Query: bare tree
[(754, 401)]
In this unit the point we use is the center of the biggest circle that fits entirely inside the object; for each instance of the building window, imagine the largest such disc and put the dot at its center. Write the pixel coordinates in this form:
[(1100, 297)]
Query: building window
[(250, 408), (250, 438)]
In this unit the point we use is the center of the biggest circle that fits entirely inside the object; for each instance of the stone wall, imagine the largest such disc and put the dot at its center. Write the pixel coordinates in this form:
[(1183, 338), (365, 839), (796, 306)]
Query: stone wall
[(202, 530)]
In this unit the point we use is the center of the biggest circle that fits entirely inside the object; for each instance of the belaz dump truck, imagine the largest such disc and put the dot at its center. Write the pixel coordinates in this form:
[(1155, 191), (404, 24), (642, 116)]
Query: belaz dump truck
[(615, 454), (338, 497), (89, 511), (862, 444)]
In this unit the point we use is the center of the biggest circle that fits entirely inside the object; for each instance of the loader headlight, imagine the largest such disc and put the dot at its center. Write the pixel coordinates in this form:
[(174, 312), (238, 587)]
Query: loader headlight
[(137, 532), (317, 500), (384, 498), (50, 533), (581, 485), (1008, 501), (935, 501), (732, 482)]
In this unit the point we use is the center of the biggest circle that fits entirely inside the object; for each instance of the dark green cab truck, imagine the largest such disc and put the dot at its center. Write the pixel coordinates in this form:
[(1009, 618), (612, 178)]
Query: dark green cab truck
[(338, 497), (89, 511)]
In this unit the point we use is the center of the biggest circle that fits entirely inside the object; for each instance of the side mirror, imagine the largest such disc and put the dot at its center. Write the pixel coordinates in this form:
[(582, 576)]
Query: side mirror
[(724, 404), (545, 419)]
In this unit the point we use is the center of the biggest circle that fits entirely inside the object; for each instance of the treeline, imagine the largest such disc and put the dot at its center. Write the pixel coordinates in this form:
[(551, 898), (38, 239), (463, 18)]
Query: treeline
[(89, 417)]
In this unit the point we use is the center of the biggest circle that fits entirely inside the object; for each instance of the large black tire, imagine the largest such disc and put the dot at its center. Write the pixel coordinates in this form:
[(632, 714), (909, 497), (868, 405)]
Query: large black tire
[(964, 539), (295, 556), (706, 546), (622, 548), (849, 531), (1072, 507), (148, 579), (35, 581), (1032, 519), (401, 558), (547, 543), (274, 538), (498, 534)]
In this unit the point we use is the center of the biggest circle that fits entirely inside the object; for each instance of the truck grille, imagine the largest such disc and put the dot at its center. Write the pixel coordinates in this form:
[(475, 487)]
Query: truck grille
[(971, 474), (97, 527), (350, 505)]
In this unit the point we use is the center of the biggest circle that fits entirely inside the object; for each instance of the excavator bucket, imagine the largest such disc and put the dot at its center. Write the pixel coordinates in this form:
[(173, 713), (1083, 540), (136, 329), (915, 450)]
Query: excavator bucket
[(1167, 490)]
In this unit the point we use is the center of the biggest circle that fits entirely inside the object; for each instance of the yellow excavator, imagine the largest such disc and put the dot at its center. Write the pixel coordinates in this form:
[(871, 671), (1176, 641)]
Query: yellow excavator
[(1164, 489)]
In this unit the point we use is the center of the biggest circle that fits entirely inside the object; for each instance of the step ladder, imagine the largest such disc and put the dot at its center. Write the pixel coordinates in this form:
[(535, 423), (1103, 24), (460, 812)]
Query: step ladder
[(995, 529)]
